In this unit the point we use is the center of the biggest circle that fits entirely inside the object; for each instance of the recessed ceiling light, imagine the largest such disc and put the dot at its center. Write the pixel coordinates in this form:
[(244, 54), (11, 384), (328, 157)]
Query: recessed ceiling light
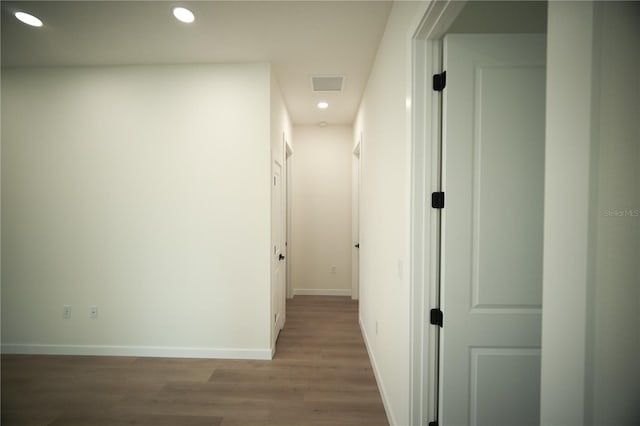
[(184, 15), (28, 19), (323, 105)]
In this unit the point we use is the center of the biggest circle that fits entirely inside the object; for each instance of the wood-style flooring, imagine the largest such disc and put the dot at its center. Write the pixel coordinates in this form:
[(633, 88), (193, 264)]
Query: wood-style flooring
[(320, 375)]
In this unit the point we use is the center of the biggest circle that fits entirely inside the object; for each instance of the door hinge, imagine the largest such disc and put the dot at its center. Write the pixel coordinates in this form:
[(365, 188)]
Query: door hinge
[(436, 317), (439, 81), (437, 200)]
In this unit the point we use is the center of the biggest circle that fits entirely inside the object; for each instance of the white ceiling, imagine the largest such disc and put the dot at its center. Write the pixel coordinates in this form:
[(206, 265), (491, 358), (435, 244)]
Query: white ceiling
[(300, 39)]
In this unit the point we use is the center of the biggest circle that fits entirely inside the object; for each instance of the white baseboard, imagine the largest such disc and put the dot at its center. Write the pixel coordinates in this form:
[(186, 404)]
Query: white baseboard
[(142, 351), (321, 292), (376, 373)]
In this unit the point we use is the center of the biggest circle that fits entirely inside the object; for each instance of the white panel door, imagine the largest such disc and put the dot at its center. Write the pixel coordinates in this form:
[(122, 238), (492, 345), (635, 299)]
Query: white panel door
[(492, 227), (278, 265)]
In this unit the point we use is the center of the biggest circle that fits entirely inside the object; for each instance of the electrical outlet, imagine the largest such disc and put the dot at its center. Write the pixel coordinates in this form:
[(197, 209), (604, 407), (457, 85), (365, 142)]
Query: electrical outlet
[(66, 312), (93, 312), (333, 269)]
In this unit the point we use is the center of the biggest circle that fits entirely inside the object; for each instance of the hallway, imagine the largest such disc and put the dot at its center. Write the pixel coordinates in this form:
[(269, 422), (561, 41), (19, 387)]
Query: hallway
[(320, 375)]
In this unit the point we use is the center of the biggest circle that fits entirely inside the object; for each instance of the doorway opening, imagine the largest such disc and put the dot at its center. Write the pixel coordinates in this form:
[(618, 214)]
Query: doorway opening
[(464, 147), (321, 239)]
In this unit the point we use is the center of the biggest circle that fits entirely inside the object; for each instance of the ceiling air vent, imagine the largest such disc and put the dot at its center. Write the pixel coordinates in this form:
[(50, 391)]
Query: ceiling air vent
[(327, 83)]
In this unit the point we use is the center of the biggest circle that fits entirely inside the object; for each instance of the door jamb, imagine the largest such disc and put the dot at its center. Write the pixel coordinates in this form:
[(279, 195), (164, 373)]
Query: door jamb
[(425, 130), (288, 215), (355, 218)]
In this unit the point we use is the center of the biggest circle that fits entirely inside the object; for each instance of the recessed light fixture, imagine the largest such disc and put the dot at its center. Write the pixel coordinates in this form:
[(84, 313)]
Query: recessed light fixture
[(323, 105), (184, 15), (28, 19)]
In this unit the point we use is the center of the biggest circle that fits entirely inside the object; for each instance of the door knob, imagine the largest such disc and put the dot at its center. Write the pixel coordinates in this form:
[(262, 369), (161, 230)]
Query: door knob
[(281, 257), (357, 245)]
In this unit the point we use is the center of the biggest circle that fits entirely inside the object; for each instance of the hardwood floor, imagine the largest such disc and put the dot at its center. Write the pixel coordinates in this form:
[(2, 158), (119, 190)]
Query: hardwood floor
[(320, 375)]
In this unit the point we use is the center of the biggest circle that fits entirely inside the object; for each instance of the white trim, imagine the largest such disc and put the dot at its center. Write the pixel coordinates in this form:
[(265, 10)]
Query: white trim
[(356, 177), (142, 351), (572, 158), (378, 376), (425, 132), (288, 166), (321, 292)]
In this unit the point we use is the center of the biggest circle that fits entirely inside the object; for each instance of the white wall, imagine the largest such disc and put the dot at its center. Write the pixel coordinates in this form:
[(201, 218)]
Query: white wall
[(591, 305), (321, 218), (566, 223), (614, 372), (501, 17), (143, 190), (385, 212)]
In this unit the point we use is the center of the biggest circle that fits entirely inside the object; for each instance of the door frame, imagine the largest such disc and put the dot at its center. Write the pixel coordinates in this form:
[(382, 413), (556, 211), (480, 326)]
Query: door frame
[(278, 321), (288, 215), (355, 218), (425, 129)]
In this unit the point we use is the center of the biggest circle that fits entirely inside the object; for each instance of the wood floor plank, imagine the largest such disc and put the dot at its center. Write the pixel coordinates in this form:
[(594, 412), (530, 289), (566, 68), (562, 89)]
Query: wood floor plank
[(112, 418), (28, 417), (320, 376)]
